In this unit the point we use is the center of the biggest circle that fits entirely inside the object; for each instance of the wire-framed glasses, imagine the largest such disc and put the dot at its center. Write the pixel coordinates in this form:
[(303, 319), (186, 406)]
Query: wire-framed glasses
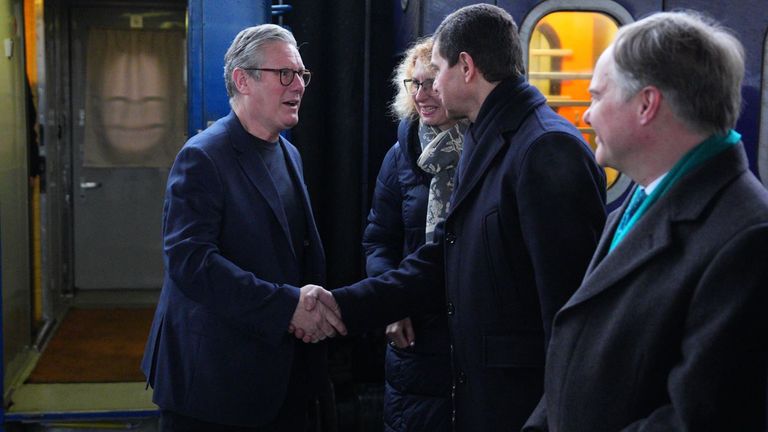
[(413, 85), (287, 74)]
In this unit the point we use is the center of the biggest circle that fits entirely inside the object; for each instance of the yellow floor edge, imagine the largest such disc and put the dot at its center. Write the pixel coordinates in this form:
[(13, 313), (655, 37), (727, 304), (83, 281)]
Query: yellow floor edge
[(81, 397)]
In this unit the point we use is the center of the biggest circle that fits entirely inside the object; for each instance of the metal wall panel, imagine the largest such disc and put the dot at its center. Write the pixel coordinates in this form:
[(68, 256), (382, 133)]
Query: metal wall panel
[(212, 27), (14, 190)]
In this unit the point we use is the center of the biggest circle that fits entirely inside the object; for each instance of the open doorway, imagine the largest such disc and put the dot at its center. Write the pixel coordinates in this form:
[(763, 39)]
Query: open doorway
[(130, 120)]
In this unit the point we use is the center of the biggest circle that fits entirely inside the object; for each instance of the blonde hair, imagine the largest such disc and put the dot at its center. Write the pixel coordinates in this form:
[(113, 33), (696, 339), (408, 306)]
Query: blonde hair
[(402, 105)]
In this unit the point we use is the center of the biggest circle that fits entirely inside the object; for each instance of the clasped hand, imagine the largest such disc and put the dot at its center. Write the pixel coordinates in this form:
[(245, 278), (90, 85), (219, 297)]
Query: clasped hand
[(317, 316)]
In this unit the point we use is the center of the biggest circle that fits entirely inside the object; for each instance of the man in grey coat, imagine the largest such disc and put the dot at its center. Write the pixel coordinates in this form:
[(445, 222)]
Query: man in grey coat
[(668, 331)]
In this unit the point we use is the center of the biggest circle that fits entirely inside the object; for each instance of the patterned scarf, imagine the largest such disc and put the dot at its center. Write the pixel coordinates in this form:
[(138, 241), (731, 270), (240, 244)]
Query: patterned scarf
[(439, 157)]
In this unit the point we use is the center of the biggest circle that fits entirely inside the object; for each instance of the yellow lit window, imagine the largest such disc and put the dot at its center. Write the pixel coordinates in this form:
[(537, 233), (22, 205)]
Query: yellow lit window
[(562, 55)]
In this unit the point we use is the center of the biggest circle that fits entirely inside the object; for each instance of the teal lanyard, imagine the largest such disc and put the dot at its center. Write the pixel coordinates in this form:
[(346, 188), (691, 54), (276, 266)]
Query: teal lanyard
[(695, 157)]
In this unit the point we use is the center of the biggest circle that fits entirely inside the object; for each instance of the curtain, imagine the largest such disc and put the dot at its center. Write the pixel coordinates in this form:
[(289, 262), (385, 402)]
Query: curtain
[(135, 98)]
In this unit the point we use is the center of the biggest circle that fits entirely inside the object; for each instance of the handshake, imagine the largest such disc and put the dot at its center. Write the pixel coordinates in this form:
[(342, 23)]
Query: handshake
[(317, 316)]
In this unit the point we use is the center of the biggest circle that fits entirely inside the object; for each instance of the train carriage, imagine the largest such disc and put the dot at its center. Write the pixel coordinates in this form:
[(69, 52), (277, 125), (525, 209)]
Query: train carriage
[(99, 95)]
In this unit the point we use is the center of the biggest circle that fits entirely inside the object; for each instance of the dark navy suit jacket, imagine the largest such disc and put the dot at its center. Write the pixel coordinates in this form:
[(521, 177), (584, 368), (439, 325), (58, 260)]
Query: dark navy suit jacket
[(219, 349), (525, 218)]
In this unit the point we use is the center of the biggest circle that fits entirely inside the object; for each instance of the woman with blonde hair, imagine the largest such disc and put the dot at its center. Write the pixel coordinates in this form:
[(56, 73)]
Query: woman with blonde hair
[(412, 195)]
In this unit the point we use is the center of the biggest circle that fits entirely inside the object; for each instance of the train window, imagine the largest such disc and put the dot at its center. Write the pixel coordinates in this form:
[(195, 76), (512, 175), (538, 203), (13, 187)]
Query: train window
[(565, 39), (563, 50)]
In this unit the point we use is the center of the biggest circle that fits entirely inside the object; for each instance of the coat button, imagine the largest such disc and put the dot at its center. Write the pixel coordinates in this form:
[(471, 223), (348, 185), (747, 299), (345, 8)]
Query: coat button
[(461, 378), (450, 238), (450, 309)]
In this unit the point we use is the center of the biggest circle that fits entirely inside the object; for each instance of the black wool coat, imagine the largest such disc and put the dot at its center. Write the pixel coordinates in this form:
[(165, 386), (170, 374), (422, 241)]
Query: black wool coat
[(526, 214)]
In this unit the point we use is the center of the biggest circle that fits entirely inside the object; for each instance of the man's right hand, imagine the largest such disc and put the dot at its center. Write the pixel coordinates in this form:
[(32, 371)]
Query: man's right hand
[(317, 315)]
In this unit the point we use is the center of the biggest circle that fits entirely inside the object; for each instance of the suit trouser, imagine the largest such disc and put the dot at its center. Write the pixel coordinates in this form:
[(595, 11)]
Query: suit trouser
[(298, 412)]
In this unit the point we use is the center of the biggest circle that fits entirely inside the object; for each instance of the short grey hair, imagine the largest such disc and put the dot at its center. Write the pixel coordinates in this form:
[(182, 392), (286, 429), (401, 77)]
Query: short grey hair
[(402, 105), (696, 63), (246, 51)]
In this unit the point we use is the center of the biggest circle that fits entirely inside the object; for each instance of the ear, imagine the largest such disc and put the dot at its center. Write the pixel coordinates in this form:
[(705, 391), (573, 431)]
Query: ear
[(240, 78), (467, 65), (650, 99)]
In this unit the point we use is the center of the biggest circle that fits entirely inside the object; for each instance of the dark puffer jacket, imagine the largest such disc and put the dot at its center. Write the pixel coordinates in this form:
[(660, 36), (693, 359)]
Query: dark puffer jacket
[(418, 379)]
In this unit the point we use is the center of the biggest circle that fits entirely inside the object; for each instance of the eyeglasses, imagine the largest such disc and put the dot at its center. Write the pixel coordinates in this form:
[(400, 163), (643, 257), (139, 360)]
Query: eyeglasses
[(413, 86), (286, 75)]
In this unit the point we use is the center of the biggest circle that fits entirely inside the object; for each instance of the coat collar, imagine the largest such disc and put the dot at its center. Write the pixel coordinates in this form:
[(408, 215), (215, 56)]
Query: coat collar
[(503, 111), (653, 233), (410, 146), (506, 107), (257, 172)]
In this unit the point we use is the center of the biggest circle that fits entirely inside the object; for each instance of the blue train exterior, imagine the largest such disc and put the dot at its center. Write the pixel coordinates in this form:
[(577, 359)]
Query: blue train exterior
[(61, 250)]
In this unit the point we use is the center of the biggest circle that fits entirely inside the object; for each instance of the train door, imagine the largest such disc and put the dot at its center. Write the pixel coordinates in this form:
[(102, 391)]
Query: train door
[(129, 120)]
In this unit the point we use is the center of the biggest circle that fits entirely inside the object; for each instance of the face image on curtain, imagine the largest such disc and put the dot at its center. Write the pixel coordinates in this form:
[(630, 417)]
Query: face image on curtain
[(135, 104)]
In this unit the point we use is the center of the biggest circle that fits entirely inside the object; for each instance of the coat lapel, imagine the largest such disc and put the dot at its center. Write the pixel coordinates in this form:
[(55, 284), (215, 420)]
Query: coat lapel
[(476, 168), (604, 243), (653, 233), (294, 170), (494, 120), (257, 172)]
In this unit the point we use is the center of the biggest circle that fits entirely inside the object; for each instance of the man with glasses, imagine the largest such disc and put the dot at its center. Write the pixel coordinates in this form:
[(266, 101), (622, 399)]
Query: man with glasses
[(240, 241)]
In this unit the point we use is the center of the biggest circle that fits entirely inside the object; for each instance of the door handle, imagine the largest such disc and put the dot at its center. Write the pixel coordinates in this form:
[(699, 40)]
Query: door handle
[(90, 185)]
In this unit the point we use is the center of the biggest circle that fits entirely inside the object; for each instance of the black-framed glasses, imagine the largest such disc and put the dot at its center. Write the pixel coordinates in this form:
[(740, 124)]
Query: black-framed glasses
[(287, 74), (413, 85)]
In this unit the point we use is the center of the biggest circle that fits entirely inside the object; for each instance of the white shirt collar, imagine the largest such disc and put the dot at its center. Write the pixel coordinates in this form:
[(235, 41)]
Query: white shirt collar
[(654, 184)]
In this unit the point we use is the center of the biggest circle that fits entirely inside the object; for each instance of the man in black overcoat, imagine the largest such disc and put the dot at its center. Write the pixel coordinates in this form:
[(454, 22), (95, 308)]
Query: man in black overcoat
[(525, 217)]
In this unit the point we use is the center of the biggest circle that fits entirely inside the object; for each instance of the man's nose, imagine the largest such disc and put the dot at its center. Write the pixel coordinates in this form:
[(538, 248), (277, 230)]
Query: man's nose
[(297, 83), (587, 116)]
